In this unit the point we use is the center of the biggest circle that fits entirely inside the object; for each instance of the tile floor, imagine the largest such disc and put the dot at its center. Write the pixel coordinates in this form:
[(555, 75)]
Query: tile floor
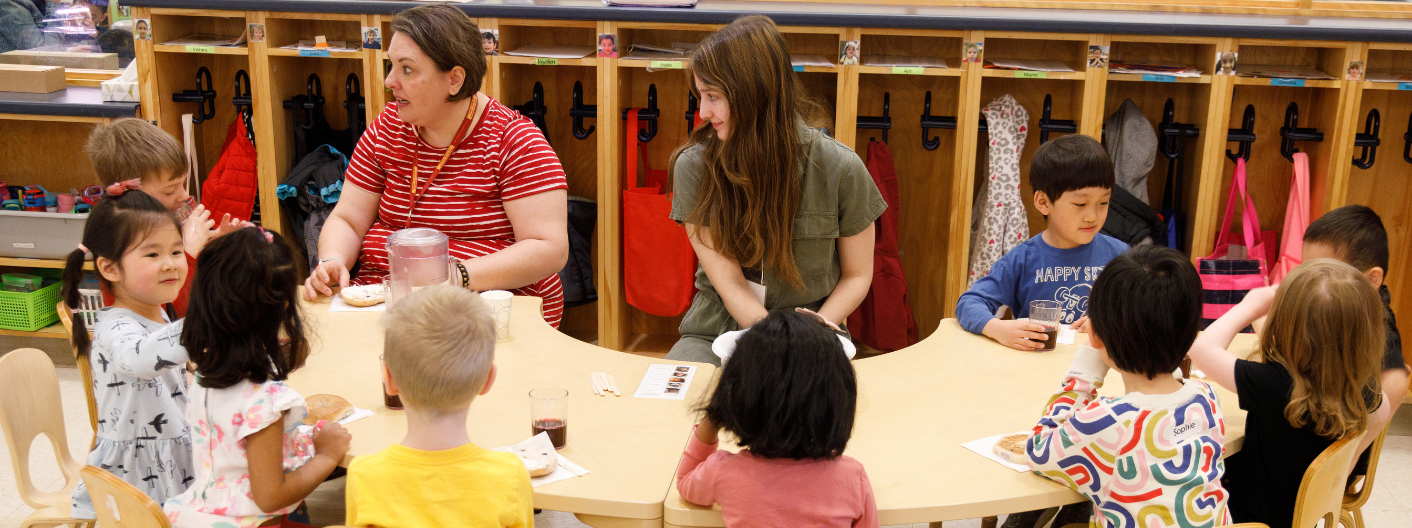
[(1389, 507)]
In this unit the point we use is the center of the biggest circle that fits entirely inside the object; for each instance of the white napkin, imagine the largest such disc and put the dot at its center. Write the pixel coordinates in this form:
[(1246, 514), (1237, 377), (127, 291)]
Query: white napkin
[(1066, 335), (984, 447), (358, 414), (724, 345), (566, 469)]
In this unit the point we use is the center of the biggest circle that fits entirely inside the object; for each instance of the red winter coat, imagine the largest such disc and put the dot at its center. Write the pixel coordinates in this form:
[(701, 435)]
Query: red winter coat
[(231, 187), (884, 320)]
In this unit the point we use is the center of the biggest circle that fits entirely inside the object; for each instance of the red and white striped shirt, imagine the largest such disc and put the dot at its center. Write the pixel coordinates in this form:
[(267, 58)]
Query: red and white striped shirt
[(506, 158)]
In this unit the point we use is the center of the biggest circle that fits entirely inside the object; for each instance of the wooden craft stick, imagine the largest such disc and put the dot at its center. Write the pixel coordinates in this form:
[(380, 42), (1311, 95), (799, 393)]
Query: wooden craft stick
[(593, 378), (612, 385)]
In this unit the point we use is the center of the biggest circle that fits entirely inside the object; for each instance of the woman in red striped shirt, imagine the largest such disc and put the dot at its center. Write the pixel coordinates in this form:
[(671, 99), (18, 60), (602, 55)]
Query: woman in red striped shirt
[(445, 156)]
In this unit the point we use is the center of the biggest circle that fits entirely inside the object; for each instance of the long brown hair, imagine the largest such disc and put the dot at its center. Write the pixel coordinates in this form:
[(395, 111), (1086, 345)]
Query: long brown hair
[(1326, 329), (750, 189)]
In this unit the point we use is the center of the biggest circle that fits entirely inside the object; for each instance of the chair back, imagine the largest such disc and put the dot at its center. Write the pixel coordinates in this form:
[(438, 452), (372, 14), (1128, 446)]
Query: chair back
[(120, 505), (30, 406), (85, 367), (1356, 496), (1321, 491)]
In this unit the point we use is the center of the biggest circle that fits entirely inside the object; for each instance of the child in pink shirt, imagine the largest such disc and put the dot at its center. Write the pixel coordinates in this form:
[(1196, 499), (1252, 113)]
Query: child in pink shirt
[(788, 394)]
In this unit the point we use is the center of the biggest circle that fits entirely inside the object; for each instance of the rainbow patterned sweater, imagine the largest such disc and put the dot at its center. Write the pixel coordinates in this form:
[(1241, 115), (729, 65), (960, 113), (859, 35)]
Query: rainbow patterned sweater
[(1144, 461)]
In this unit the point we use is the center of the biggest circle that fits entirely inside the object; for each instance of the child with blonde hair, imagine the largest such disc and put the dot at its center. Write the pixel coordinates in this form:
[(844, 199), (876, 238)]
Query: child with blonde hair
[(439, 354), (1313, 378)]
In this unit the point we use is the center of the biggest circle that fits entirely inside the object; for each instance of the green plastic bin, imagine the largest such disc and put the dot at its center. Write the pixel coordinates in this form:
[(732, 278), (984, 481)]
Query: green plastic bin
[(31, 311)]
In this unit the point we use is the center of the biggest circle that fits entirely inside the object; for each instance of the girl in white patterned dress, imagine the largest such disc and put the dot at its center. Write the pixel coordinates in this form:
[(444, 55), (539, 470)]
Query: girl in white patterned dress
[(245, 334)]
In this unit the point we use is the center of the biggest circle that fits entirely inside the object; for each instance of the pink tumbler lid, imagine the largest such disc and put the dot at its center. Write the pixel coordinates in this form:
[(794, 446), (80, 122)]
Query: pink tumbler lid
[(66, 202)]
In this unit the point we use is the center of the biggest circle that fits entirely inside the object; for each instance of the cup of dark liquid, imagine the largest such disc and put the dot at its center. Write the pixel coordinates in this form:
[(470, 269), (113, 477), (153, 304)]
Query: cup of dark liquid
[(1046, 314), (391, 401), (549, 413)]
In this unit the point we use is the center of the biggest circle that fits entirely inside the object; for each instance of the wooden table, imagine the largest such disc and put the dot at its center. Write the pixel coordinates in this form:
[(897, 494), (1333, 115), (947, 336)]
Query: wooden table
[(630, 445), (949, 389)]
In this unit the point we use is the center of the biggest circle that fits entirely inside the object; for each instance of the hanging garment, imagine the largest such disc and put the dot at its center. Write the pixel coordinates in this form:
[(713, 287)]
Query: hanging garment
[(659, 264), (309, 194), (193, 165), (884, 320), (1296, 221), (1172, 214), (318, 133), (1131, 220), (1233, 270), (1132, 143), (998, 221), (231, 186), (577, 275)]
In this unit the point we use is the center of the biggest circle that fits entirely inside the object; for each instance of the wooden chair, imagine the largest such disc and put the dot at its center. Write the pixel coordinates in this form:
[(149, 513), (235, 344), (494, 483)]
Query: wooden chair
[(1239, 525), (85, 367), (1355, 496), (30, 406), (1321, 491), (119, 505)]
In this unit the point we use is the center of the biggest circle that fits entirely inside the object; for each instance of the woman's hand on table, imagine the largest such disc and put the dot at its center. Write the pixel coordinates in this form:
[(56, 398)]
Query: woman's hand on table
[(327, 273), (1019, 335)]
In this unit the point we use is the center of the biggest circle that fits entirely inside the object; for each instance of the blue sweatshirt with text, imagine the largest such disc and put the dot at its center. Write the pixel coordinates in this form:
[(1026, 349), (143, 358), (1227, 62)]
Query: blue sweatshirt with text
[(1034, 271)]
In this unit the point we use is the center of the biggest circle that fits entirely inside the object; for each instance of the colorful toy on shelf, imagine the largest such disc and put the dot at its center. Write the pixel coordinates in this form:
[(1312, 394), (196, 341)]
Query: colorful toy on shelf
[(11, 205), (33, 200), (21, 282)]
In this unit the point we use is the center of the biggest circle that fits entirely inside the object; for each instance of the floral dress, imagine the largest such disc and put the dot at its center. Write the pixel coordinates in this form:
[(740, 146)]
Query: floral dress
[(221, 419), (141, 401)]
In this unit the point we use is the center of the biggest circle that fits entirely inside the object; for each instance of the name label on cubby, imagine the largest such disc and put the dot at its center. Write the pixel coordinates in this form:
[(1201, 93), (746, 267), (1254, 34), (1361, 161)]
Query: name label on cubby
[(907, 70), (543, 61), (1404, 86), (665, 65), (313, 53), (1297, 83), (1021, 74), (798, 68), (1158, 78), (200, 49)]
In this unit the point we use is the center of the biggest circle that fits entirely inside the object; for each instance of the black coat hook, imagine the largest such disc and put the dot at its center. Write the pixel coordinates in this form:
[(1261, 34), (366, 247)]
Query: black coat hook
[(691, 108), (204, 96), (1368, 139), (579, 111), (311, 103), (1169, 132), (1048, 124), (354, 104), (1245, 135), (535, 109), (879, 123), (1292, 132), (930, 122), (649, 115), (1407, 137), (244, 103)]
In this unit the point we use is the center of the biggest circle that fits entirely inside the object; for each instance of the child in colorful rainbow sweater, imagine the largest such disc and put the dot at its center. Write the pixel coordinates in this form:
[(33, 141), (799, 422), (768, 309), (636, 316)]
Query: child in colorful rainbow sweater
[(1151, 457)]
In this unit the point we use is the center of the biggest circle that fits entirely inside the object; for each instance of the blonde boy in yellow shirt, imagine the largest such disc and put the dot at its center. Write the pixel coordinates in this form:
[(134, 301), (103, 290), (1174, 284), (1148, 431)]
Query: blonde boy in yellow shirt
[(439, 355)]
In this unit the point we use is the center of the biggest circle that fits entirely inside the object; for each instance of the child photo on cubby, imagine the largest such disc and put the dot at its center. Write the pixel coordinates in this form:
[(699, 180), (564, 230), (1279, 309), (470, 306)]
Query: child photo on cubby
[(608, 46), (490, 41), (848, 52)]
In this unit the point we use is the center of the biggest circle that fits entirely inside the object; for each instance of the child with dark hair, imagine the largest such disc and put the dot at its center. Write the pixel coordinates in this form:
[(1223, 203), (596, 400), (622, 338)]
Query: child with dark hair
[(788, 394), (1073, 180), (245, 333), (142, 437), (1355, 235), (1164, 435)]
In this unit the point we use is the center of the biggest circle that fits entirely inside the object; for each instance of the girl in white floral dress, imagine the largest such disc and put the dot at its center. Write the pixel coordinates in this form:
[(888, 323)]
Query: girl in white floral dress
[(142, 437), (244, 332)]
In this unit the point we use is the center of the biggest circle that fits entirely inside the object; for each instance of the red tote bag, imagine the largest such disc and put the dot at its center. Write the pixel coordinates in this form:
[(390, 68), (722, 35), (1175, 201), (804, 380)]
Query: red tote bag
[(1296, 221), (659, 266), (1233, 270)]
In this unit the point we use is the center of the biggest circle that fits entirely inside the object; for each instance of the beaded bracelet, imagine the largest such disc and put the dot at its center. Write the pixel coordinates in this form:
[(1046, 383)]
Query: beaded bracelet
[(465, 275)]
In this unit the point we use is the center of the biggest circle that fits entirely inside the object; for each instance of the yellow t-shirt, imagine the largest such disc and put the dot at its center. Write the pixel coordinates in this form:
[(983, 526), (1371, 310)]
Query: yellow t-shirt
[(403, 487)]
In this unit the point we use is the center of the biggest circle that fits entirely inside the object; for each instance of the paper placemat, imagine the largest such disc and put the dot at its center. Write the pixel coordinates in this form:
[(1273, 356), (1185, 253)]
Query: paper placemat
[(665, 382), (983, 448), (566, 469)]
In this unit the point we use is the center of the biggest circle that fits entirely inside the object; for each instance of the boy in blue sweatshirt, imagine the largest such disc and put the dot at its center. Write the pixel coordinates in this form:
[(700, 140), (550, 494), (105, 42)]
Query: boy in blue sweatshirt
[(1072, 177)]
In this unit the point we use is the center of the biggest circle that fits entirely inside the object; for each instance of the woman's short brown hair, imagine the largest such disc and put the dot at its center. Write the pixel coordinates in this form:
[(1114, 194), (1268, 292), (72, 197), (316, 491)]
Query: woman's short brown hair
[(449, 38)]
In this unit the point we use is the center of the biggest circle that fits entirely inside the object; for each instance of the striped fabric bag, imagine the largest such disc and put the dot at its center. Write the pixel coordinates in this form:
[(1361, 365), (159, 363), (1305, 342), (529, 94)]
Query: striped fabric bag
[(1233, 270)]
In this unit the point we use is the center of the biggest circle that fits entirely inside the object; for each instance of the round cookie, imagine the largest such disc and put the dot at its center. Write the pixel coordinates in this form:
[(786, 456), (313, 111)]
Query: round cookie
[(538, 460), (363, 296)]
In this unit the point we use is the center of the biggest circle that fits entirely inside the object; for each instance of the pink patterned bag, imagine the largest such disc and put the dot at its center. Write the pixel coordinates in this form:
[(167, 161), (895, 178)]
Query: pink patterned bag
[(1296, 221), (1232, 270)]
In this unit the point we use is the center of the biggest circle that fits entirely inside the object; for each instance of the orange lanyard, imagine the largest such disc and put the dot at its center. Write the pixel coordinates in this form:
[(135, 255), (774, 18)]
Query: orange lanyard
[(456, 141)]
